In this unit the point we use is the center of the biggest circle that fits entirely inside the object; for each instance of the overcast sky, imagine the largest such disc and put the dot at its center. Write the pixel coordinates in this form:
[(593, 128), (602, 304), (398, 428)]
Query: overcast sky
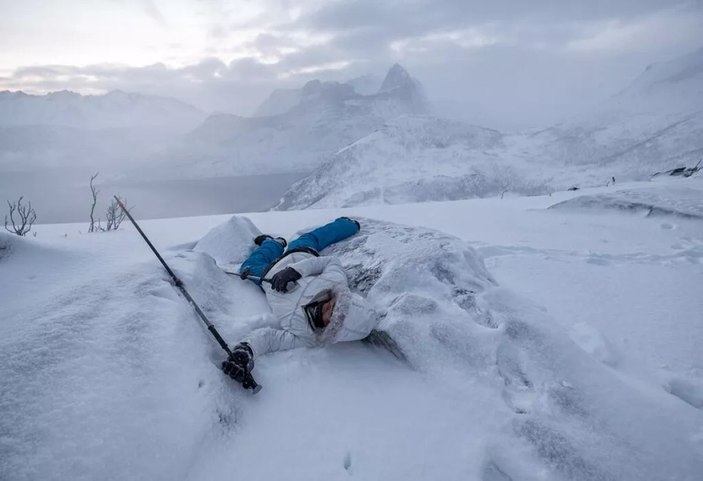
[(504, 63)]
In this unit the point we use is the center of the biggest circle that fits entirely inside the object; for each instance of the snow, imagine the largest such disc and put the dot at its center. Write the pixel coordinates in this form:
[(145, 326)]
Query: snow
[(115, 109), (653, 125), (542, 343)]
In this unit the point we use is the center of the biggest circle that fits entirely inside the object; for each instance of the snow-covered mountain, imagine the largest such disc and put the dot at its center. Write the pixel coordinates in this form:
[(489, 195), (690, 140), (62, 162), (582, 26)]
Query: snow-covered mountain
[(653, 125), (327, 117), (412, 159), (281, 101), (116, 109), (68, 131)]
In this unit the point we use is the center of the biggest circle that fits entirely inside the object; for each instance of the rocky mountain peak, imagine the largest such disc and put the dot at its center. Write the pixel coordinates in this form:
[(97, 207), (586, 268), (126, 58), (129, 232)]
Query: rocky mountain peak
[(397, 77)]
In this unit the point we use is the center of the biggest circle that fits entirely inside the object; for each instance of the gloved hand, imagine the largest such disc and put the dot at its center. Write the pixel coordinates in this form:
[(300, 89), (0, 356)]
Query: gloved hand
[(240, 363), (244, 274), (280, 279)]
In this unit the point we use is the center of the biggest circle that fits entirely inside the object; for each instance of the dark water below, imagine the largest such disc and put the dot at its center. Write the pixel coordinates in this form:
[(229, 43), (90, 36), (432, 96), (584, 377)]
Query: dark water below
[(66, 198)]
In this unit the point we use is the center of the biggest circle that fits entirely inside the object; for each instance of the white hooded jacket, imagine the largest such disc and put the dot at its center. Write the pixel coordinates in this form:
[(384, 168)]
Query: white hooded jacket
[(352, 318)]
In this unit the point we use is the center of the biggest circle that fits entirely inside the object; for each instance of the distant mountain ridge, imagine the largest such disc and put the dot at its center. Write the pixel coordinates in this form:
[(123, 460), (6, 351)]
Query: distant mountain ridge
[(654, 124), (326, 117), (281, 101), (66, 130), (115, 109)]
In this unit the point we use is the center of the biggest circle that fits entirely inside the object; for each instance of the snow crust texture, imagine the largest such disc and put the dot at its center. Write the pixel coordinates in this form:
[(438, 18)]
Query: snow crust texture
[(107, 374), (451, 319)]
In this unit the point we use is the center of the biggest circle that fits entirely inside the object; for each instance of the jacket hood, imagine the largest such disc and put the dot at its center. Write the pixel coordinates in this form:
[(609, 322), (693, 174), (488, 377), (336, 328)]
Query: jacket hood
[(352, 319)]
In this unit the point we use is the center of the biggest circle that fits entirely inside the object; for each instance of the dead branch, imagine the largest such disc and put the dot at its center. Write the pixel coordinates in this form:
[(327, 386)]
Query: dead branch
[(94, 191), (26, 215)]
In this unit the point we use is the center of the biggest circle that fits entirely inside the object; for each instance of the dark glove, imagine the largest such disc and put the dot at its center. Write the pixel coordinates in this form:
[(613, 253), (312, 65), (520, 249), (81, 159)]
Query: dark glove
[(244, 275), (280, 279), (240, 363)]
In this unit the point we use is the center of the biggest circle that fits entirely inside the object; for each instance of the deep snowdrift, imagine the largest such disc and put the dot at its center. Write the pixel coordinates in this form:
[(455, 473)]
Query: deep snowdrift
[(106, 373), (680, 200)]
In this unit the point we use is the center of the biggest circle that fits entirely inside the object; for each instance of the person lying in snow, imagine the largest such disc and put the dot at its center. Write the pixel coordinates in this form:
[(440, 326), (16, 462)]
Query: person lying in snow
[(308, 294)]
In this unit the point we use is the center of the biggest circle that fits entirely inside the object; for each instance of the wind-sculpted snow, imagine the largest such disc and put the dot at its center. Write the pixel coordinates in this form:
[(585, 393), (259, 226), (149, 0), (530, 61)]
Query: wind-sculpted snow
[(229, 242), (447, 315), (82, 390), (107, 374), (683, 200)]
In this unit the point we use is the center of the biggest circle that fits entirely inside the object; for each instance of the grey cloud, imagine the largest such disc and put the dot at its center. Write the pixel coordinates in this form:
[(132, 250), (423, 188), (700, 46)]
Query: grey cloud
[(432, 14), (523, 74)]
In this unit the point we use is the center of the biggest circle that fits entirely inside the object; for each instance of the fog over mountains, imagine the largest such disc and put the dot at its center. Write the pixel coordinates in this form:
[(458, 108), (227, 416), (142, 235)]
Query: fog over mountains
[(654, 124), (115, 109), (363, 141), (315, 122)]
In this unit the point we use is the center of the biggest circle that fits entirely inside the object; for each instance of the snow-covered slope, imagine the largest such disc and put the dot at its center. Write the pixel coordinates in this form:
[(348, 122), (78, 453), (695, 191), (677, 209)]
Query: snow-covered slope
[(327, 117), (412, 159), (653, 125), (279, 102), (107, 374), (68, 131), (115, 109)]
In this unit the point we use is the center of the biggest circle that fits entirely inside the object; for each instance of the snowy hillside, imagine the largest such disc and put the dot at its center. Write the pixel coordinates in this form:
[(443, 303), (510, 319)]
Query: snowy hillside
[(326, 117), (655, 124), (513, 372), (69, 131), (115, 109), (412, 159)]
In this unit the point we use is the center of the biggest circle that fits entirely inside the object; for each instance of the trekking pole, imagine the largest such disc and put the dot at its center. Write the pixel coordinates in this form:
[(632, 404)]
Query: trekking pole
[(255, 278), (248, 381)]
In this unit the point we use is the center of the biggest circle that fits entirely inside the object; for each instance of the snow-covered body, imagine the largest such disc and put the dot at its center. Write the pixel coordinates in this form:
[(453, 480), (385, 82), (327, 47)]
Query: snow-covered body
[(352, 320)]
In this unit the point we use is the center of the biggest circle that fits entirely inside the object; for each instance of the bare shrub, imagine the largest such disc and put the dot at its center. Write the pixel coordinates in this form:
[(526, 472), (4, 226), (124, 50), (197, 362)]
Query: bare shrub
[(115, 215), (26, 217)]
